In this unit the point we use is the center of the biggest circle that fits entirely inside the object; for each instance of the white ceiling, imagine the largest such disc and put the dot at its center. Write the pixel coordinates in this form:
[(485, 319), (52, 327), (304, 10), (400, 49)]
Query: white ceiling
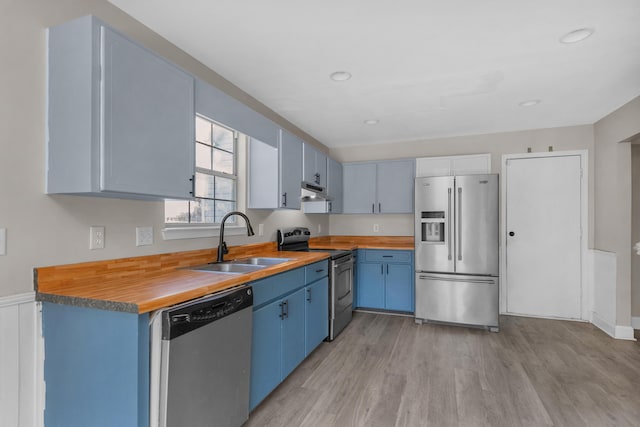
[(423, 68)]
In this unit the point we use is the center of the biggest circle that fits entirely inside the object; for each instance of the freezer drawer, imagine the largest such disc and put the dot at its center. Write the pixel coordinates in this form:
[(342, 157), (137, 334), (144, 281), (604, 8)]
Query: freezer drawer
[(451, 298)]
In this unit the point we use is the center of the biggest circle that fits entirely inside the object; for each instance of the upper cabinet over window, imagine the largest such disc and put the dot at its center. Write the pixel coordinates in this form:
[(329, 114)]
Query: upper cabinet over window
[(121, 118)]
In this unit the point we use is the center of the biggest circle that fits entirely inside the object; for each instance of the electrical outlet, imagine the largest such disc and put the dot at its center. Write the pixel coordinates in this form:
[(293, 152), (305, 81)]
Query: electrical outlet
[(319, 228), (3, 241), (376, 228), (260, 229), (96, 237), (144, 236)]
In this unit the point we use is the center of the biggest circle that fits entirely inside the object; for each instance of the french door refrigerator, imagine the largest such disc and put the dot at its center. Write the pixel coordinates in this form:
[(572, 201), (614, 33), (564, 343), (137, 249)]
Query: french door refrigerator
[(456, 250)]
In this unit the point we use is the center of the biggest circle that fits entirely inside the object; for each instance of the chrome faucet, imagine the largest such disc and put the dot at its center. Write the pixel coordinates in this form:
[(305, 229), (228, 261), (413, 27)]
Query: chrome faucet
[(222, 245)]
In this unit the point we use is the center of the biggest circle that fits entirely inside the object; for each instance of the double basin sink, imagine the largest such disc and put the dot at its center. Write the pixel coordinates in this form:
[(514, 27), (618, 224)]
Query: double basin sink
[(240, 266)]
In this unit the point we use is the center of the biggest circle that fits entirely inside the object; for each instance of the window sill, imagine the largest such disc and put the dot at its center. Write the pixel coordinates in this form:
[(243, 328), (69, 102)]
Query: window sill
[(187, 232)]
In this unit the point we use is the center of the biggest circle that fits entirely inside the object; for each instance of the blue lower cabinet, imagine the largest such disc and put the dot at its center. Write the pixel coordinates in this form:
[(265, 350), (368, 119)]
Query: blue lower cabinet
[(385, 280), (96, 367), (289, 320), (399, 288), (293, 328), (266, 352), (317, 314), (371, 285)]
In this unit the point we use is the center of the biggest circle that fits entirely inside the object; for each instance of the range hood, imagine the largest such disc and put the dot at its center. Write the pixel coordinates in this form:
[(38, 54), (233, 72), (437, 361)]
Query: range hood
[(312, 192)]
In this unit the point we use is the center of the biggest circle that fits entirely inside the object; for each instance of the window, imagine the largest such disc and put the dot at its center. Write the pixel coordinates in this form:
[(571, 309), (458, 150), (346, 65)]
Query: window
[(215, 179)]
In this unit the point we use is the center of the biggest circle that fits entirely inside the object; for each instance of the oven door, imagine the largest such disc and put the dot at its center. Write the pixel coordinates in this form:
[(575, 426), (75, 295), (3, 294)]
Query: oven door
[(341, 285)]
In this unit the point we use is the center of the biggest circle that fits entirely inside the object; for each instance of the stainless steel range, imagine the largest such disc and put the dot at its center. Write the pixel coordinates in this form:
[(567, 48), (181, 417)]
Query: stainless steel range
[(340, 276)]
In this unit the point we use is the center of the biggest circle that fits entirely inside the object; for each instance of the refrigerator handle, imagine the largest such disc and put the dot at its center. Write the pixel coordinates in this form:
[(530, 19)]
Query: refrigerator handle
[(459, 230), (449, 226)]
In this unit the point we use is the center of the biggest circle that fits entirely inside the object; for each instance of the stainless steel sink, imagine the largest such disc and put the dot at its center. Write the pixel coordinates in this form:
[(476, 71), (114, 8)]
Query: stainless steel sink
[(228, 267), (262, 261)]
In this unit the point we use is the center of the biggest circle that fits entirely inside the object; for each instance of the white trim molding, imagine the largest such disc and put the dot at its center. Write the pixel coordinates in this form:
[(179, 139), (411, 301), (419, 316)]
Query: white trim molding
[(21, 361)]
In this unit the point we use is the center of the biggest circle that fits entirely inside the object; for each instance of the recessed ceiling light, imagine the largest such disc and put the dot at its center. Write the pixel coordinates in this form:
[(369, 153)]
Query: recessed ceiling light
[(340, 76), (576, 35), (371, 122), (529, 103)]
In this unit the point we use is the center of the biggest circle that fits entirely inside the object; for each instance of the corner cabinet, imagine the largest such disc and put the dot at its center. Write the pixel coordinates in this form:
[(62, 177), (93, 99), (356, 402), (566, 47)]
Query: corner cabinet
[(290, 319), (121, 118), (385, 280), (379, 188)]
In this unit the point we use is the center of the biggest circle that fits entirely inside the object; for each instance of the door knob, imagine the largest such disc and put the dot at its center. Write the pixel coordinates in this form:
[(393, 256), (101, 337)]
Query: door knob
[(511, 233)]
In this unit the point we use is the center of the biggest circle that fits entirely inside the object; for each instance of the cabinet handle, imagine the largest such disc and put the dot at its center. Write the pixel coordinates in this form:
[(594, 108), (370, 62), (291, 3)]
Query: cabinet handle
[(284, 199), (193, 185), (387, 269), (309, 295), (330, 207), (379, 207), (286, 308), (281, 310), (320, 270), (387, 256), (373, 208), (317, 176)]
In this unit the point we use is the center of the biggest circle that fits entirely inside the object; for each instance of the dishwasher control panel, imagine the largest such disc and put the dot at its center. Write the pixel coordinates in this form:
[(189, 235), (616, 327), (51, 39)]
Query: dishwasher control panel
[(185, 317)]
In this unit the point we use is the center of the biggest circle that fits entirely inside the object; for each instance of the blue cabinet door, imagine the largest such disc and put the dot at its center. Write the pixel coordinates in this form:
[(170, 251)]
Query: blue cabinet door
[(290, 151), (293, 328), (399, 287), (265, 352), (317, 314), (370, 285)]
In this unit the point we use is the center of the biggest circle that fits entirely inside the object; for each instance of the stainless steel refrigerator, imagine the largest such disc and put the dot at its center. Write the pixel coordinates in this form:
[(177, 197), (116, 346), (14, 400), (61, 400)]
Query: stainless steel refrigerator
[(456, 250)]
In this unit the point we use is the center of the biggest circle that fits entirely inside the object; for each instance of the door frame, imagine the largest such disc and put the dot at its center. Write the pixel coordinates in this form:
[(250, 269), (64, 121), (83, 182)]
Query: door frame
[(586, 298)]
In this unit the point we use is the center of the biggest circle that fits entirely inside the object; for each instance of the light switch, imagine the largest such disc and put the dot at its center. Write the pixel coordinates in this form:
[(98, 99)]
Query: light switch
[(3, 241)]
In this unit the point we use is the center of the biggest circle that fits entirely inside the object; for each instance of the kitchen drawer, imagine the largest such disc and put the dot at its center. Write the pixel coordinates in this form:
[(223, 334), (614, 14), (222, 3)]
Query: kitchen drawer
[(270, 288), (316, 271), (372, 255)]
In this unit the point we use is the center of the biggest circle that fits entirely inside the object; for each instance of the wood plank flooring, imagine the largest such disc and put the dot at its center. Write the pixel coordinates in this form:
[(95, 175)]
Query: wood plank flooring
[(388, 371)]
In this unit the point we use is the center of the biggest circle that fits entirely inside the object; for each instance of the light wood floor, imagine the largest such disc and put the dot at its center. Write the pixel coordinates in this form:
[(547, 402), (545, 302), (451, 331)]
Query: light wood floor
[(388, 371)]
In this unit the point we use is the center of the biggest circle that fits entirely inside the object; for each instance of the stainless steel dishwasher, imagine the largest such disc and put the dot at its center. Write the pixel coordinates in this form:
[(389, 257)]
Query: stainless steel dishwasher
[(205, 361)]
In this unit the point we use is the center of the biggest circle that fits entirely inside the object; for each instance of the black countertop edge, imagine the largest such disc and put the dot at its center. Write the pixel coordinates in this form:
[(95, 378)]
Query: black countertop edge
[(88, 303)]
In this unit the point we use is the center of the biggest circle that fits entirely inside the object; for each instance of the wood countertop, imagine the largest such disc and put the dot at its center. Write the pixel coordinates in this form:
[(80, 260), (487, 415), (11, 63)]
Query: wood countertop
[(362, 242), (143, 284)]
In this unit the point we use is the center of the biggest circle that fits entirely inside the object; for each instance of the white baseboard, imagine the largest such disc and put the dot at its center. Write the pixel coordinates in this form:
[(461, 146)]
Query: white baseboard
[(615, 331), (635, 322)]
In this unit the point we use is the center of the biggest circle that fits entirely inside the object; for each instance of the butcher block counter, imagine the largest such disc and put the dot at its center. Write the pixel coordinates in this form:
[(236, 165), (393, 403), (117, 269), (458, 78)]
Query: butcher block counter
[(362, 242), (144, 284)]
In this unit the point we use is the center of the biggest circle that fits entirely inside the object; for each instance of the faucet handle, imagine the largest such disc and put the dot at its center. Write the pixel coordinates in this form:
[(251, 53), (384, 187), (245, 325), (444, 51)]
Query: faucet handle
[(225, 250)]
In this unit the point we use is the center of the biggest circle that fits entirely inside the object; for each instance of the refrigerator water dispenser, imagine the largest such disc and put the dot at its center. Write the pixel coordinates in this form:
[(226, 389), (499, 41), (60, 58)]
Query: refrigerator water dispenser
[(433, 226)]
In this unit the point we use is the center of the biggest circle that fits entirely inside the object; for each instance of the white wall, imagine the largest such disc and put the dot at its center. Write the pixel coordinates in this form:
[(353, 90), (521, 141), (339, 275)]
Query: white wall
[(613, 196), (566, 138), (47, 230)]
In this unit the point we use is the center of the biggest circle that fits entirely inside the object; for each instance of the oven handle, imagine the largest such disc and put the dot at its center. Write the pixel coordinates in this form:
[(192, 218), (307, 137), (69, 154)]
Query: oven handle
[(345, 295)]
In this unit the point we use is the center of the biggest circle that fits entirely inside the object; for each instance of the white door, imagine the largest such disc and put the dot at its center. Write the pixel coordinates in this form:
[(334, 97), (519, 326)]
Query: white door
[(543, 242)]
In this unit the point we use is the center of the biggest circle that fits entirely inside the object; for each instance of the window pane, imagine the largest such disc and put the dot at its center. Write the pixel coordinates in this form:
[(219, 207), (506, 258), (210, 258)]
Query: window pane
[(203, 130), (225, 188), (203, 156), (223, 208), (204, 185), (176, 211), (222, 138), (222, 161)]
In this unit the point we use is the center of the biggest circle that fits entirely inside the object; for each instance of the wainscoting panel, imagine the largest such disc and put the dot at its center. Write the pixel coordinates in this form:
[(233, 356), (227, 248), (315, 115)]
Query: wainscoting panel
[(21, 363)]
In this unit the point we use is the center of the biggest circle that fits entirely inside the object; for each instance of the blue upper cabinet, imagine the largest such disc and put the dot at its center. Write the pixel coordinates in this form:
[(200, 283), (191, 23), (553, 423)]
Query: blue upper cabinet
[(121, 118), (290, 170), (381, 187), (315, 166), (334, 185)]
